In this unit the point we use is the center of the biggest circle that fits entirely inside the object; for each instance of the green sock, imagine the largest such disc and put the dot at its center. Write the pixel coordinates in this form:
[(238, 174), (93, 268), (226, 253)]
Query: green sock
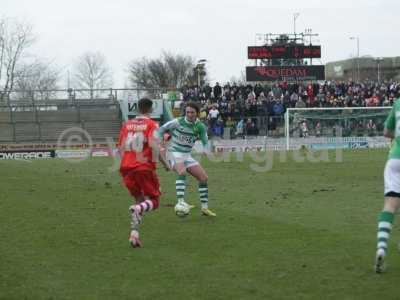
[(203, 191), (385, 222), (180, 185)]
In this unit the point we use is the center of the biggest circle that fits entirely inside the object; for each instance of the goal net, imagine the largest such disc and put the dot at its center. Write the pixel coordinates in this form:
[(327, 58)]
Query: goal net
[(332, 128)]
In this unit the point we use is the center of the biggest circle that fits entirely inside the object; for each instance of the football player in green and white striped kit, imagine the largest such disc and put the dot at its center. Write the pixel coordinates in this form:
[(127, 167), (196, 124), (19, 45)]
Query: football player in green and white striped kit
[(184, 132), (392, 185)]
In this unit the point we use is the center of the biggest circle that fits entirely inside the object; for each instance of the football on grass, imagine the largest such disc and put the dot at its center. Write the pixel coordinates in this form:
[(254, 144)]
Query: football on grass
[(181, 210)]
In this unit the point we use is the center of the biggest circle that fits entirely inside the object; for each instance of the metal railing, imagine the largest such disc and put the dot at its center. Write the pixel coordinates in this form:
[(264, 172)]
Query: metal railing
[(49, 108), (17, 97)]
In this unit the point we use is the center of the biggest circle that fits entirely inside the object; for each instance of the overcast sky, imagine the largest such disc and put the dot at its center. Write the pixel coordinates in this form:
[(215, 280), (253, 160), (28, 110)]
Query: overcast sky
[(218, 30)]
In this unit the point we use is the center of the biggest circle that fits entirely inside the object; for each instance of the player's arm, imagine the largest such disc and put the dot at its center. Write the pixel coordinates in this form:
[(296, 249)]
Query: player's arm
[(388, 133), (390, 124), (204, 138), (163, 160), (165, 130), (167, 127), (121, 140), (156, 144)]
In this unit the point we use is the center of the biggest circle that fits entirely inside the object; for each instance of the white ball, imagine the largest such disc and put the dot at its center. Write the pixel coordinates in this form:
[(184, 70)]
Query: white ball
[(181, 210)]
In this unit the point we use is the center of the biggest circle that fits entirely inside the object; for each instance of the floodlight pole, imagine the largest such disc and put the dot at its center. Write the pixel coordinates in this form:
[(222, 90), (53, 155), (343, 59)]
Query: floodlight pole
[(295, 16), (378, 62), (358, 55)]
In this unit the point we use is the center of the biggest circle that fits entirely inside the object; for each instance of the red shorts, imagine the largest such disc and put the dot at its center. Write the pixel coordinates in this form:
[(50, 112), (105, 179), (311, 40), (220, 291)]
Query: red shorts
[(142, 183)]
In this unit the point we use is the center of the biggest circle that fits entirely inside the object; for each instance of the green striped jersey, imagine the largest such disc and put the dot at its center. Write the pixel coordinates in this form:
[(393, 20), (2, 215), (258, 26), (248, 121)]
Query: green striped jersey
[(184, 134), (393, 124)]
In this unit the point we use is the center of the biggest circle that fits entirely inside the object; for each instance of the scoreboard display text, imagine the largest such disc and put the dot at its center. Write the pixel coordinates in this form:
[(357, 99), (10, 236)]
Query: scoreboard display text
[(284, 51)]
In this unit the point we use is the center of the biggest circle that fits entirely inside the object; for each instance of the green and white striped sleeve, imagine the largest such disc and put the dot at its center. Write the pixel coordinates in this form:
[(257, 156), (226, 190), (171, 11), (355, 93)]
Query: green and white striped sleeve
[(168, 127), (204, 137)]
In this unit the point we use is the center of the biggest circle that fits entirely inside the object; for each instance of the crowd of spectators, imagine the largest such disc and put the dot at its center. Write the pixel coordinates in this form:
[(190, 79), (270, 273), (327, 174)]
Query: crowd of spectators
[(244, 109)]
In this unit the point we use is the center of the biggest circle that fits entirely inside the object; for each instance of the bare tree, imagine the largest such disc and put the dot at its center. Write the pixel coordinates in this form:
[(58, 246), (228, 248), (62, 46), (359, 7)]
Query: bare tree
[(240, 80), (92, 72), (15, 38), (39, 76), (168, 71)]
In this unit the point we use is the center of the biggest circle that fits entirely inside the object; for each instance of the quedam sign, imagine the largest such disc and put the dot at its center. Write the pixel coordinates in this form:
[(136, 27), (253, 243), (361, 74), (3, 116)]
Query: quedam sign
[(280, 73)]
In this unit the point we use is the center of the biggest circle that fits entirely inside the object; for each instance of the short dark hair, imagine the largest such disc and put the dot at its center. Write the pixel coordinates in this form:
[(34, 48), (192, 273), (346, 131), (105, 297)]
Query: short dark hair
[(193, 105), (145, 105)]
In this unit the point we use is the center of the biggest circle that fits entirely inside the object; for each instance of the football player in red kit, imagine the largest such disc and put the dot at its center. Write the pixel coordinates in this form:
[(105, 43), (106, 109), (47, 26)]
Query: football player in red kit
[(139, 148)]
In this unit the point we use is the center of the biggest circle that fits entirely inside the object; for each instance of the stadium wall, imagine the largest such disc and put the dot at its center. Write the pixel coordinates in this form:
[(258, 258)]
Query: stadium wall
[(389, 68)]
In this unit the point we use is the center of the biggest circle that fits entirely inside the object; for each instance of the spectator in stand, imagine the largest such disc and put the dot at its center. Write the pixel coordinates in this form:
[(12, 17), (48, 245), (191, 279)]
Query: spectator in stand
[(318, 129), (218, 128), (374, 100), (303, 129), (386, 101), (310, 93), (203, 115), (217, 91), (248, 127), (277, 91), (223, 107), (253, 107), (251, 128), (262, 97), (240, 128), (226, 90), (207, 91), (230, 125), (239, 101), (278, 108), (371, 127), (300, 103), (286, 99), (213, 115), (293, 99), (258, 90)]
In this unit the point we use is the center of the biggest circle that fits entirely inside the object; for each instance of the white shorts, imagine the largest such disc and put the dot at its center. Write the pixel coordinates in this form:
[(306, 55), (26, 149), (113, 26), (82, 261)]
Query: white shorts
[(392, 176), (177, 157)]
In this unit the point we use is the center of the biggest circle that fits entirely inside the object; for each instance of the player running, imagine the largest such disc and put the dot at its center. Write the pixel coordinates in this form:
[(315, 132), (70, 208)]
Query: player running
[(392, 186), (184, 131), (138, 145)]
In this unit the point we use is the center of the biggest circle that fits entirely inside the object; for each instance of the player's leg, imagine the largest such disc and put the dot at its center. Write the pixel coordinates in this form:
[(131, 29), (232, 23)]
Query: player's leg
[(150, 189), (148, 201), (385, 223), (180, 182), (176, 161), (129, 179), (134, 239), (197, 171), (136, 216), (391, 205), (134, 189)]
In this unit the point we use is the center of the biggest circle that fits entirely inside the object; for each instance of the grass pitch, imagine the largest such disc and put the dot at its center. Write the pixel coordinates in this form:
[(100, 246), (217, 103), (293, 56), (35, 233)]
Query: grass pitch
[(298, 231)]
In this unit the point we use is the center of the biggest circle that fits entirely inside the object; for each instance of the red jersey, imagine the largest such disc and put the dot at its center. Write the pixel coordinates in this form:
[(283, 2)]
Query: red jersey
[(135, 138)]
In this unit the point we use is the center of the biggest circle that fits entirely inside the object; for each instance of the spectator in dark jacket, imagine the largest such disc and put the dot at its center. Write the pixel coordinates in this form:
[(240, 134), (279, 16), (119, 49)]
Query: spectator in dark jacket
[(217, 90)]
